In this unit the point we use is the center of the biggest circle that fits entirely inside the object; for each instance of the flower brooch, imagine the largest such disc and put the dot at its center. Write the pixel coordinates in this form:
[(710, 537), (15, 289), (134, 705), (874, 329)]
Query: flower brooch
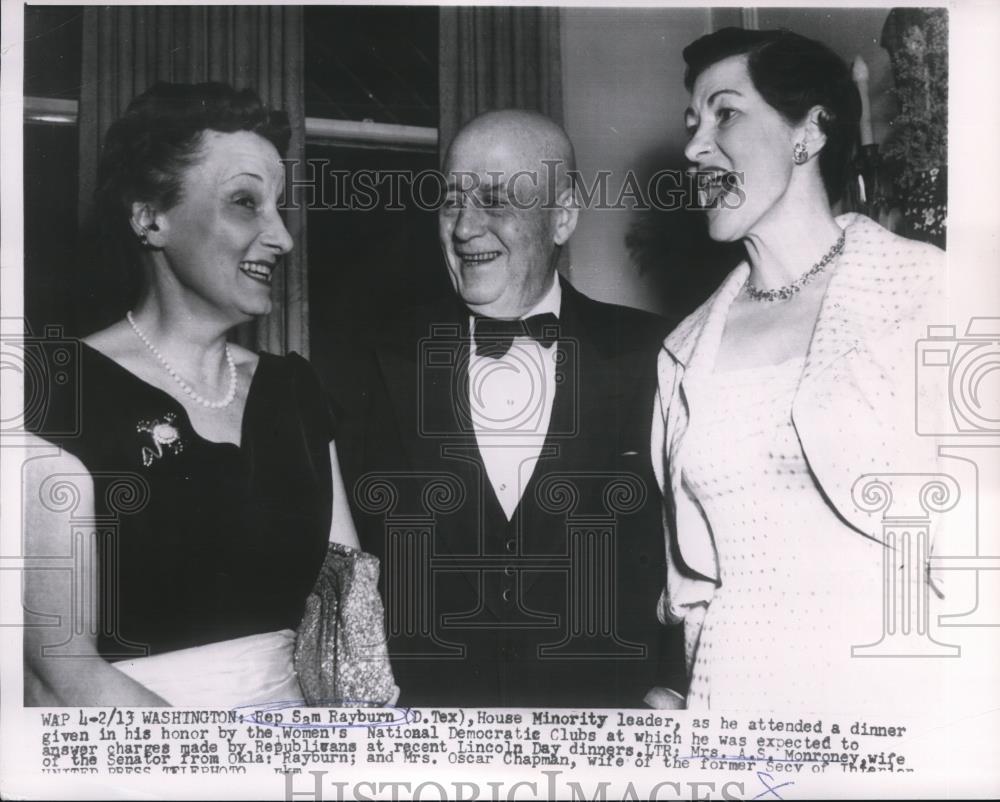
[(165, 436)]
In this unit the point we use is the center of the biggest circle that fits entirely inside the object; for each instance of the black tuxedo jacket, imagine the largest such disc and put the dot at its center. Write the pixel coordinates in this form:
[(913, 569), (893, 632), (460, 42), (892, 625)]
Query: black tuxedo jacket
[(556, 607)]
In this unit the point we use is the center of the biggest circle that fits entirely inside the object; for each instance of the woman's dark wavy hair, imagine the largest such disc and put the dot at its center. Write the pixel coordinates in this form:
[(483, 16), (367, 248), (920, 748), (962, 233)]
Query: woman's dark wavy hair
[(793, 74), (160, 134)]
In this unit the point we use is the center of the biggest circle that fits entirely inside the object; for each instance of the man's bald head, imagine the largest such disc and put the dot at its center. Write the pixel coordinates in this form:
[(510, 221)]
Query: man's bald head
[(510, 209), (537, 138)]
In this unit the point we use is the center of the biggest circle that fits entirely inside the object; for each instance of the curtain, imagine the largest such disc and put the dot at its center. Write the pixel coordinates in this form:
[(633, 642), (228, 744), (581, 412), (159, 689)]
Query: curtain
[(128, 48), (494, 58)]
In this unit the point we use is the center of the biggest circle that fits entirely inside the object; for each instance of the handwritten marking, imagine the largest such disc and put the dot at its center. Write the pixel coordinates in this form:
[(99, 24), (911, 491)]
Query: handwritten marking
[(770, 789), (402, 715)]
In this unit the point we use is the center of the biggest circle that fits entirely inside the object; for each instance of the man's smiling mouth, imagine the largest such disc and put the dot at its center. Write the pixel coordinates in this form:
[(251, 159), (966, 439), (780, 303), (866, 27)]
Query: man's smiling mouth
[(479, 257)]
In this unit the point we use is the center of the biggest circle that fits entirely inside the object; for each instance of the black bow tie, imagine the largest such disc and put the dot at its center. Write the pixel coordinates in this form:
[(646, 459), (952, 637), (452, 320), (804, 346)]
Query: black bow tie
[(494, 337)]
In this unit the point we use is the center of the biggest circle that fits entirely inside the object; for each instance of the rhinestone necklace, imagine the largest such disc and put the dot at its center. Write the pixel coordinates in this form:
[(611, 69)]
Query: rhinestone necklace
[(189, 391), (786, 292)]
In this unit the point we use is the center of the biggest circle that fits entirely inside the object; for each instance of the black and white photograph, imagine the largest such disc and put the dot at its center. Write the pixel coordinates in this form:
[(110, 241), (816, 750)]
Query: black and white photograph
[(500, 401)]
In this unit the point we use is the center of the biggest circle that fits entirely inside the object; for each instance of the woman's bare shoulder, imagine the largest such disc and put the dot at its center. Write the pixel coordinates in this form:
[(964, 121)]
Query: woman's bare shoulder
[(54, 483), (45, 457)]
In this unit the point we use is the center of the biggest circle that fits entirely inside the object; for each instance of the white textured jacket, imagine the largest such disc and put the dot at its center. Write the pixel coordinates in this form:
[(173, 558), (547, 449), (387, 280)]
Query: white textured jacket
[(854, 407)]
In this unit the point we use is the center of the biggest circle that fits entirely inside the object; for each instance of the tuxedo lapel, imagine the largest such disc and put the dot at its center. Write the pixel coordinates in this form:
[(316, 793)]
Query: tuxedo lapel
[(581, 434), (564, 422), (424, 361)]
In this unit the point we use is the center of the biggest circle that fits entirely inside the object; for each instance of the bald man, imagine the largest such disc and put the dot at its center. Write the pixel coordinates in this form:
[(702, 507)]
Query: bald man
[(503, 473)]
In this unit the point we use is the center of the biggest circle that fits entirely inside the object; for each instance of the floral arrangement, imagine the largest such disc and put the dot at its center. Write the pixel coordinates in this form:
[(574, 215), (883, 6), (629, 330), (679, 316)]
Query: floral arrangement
[(916, 152)]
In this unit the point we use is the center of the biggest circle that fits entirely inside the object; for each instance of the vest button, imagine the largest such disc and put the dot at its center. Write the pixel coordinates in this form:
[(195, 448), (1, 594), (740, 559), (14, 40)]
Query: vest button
[(506, 595), (508, 570), (511, 546)]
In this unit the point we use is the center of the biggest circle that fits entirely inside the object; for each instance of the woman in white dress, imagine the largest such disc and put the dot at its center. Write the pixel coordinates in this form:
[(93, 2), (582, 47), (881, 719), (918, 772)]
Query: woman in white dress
[(792, 381)]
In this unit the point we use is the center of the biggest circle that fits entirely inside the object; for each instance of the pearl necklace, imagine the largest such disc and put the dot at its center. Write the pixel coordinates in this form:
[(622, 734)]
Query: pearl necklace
[(786, 292), (187, 388)]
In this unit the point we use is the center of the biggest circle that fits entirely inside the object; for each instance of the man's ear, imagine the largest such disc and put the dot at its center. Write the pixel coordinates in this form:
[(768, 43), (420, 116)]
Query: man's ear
[(148, 224), (567, 212), (812, 135)]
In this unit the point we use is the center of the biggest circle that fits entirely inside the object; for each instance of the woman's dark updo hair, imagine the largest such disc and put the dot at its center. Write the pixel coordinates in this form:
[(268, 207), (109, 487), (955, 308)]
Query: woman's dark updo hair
[(793, 74), (148, 148)]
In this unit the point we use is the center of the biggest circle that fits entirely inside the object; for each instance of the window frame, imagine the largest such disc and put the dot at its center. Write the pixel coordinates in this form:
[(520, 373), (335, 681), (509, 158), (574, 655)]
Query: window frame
[(319, 130)]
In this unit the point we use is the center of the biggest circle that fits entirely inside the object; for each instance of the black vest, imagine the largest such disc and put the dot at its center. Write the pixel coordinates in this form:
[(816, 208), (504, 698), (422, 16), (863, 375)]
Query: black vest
[(556, 607)]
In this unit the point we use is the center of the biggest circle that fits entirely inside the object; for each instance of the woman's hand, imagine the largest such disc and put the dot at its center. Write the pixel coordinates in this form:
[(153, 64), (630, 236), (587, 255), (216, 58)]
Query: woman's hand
[(664, 699), (72, 672)]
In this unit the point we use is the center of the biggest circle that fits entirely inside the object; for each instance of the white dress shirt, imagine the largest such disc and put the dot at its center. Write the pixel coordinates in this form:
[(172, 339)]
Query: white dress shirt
[(510, 399)]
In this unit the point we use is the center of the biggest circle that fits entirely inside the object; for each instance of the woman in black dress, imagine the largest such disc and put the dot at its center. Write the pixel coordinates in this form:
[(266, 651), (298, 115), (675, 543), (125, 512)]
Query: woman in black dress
[(213, 466)]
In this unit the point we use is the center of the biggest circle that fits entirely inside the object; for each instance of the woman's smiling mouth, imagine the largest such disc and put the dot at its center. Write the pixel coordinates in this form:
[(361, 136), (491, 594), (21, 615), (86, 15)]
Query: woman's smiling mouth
[(258, 271), (712, 185)]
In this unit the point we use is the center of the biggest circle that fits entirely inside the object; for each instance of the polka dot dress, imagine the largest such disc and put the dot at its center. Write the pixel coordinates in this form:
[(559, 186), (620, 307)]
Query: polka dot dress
[(790, 569)]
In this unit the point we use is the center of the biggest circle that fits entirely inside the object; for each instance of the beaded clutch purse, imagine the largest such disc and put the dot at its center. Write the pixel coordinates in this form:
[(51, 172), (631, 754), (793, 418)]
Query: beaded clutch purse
[(341, 656)]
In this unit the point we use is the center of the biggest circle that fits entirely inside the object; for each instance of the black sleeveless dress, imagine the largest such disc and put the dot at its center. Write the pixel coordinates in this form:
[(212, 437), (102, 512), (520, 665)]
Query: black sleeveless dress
[(199, 541)]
